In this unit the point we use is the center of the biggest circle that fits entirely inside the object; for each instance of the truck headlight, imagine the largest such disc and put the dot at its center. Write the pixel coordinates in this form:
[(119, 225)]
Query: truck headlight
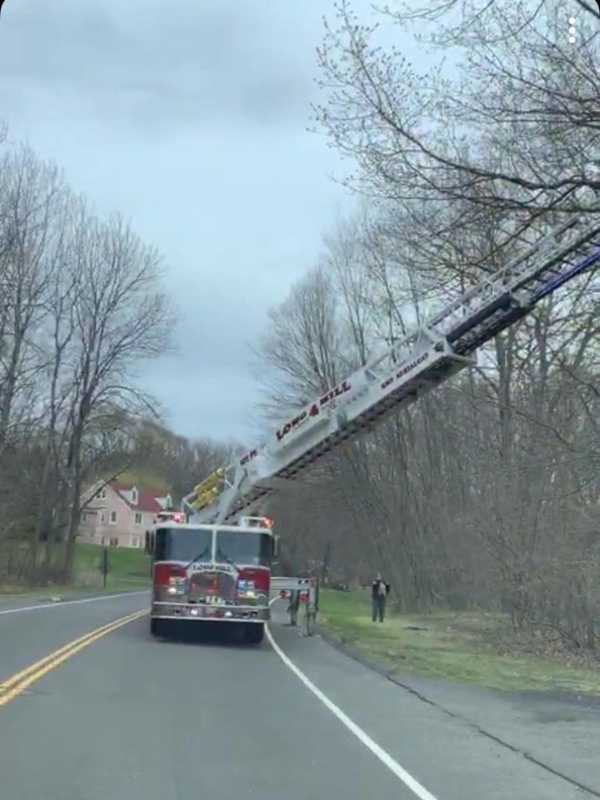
[(176, 585)]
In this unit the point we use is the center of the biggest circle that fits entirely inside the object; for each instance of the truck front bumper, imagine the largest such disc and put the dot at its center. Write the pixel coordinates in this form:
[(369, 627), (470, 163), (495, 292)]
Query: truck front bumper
[(209, 613)]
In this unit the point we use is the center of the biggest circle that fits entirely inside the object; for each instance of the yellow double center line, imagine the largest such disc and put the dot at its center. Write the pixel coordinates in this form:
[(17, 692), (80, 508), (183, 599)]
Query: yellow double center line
[(17, 683)]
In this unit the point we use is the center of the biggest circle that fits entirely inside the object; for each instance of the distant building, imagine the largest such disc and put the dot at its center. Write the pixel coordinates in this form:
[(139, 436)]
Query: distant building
[(119, 514)]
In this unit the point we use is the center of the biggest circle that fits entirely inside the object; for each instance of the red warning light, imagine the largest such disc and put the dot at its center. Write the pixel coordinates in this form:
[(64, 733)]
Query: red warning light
[(268, 522)]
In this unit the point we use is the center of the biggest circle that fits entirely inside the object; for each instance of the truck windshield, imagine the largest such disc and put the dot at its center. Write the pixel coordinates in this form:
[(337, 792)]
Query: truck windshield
[(244, 548), (175, 544)]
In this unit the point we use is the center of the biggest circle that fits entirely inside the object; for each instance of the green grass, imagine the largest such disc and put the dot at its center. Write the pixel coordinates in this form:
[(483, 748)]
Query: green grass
[(454, 646), (129, 569)]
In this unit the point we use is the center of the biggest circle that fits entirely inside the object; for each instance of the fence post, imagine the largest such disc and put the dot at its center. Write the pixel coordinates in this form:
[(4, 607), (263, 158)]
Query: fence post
[(104, 565)]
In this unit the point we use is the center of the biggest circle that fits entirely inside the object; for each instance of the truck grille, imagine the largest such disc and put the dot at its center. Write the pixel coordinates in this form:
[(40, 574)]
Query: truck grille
[(204, 586)]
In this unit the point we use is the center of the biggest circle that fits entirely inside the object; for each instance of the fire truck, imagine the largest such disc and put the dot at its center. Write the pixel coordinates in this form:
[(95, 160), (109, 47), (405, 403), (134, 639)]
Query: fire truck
[(217, 565), (210, 573)]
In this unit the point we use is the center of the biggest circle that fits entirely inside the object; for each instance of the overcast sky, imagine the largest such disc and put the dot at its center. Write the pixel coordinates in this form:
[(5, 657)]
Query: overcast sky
[(190, 118)]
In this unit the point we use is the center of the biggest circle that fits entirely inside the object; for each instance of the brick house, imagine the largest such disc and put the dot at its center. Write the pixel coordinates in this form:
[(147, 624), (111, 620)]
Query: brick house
[(120, 514)]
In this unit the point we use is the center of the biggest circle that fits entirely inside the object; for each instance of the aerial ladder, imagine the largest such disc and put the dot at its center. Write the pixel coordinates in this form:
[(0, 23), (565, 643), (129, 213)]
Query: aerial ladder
[(427, 357)]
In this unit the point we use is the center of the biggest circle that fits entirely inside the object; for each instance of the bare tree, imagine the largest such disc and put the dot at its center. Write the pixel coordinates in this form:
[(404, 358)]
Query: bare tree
[(301, 345), (516, 131), (121, 317), (33, 196), (81, 308)]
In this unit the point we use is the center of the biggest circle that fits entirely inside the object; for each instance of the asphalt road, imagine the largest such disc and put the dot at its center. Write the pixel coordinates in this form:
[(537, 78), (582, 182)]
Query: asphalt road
[(136, 718)]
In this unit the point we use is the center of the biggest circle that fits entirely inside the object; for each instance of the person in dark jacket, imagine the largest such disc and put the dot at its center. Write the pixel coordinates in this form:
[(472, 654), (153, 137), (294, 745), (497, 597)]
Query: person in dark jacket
[(379, 592)]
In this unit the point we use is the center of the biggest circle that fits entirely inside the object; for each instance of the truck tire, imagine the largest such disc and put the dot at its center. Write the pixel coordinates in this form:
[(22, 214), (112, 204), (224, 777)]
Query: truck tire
[(154, 627), (255, 633)]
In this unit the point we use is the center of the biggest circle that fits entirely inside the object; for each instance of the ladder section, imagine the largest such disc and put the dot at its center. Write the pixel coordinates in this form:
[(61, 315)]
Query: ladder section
[(423, 360), (509, 294)]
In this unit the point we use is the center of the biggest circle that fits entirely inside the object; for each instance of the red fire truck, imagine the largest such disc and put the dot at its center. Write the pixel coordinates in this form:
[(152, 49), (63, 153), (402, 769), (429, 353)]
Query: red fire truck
[(212, 573)]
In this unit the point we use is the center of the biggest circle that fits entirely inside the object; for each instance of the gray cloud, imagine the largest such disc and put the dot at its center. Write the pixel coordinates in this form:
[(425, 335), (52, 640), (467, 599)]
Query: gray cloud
[(157, 64)]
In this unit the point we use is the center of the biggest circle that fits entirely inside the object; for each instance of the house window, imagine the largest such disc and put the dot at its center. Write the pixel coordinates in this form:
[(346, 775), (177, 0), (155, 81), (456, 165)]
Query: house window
[(102, 517), (114, 541), (134, 496), (113, 517), (138, 518), (102, 494), (136, 541)]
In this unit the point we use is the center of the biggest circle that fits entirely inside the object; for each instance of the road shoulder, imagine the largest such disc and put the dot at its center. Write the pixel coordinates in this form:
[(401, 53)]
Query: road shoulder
[(558, 732)]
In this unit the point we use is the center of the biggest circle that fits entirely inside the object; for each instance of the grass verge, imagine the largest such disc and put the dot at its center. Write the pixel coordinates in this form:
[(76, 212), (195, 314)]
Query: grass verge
[(129, 570), (459, 647)]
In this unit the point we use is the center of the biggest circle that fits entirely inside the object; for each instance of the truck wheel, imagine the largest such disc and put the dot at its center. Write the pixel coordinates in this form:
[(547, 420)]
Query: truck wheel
[(255, 633), (154, 627)]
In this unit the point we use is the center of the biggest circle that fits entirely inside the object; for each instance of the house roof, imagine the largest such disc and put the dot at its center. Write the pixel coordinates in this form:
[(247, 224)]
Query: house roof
[(147, 501)]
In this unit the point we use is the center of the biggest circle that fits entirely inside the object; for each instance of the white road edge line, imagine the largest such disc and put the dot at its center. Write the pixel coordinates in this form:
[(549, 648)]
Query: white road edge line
[(62, 603), (407, 779)]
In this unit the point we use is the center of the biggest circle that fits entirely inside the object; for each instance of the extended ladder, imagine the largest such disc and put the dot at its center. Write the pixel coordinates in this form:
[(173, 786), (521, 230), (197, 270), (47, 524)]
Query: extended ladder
[(424, 359)]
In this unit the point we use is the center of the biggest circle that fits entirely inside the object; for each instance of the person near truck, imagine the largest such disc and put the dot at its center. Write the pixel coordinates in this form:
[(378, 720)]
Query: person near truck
[(293, 606), (379, 592)]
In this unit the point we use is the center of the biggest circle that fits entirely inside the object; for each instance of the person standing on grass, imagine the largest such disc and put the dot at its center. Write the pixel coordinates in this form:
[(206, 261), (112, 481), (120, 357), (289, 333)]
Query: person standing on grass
[(379, 592)]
